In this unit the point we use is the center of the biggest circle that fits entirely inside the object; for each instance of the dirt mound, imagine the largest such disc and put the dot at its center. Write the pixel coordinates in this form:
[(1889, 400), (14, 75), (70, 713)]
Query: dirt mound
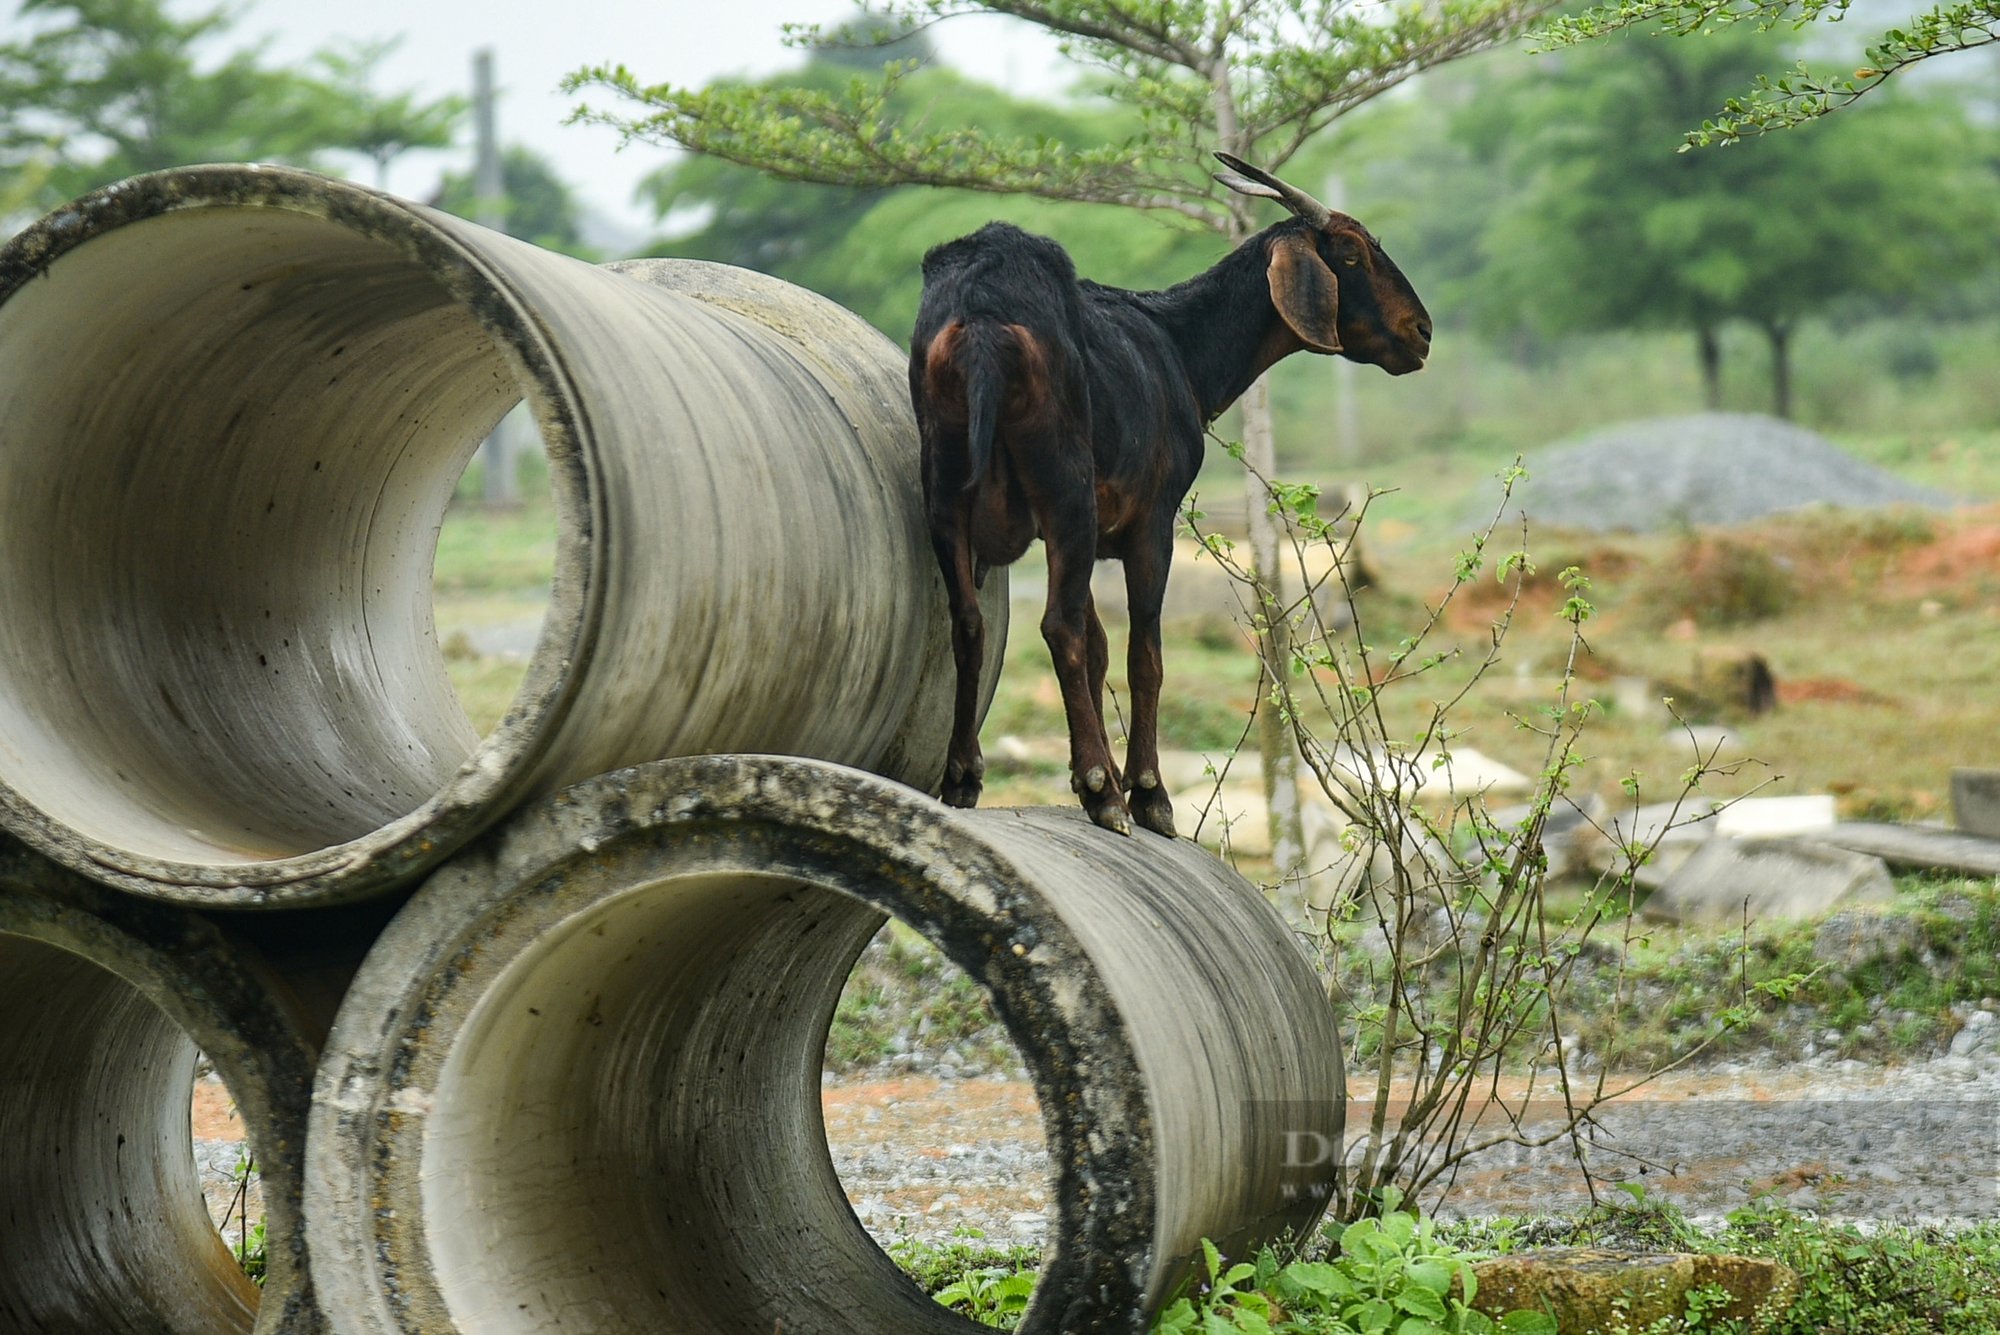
[(1708, 468)]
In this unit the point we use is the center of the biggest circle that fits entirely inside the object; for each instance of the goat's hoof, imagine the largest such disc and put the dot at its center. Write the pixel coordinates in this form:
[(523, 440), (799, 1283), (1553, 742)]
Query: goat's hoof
[(1112, 816), (1152, 808), (1091, 783), (962, 784)]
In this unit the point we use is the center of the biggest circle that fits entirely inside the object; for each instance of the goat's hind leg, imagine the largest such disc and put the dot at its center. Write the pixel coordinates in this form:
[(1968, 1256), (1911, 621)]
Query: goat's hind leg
[(964, 766), (1067, 626), (1147, 558)]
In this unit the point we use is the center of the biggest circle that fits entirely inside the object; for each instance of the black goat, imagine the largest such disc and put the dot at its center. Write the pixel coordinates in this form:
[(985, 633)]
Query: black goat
[(1057, 407)]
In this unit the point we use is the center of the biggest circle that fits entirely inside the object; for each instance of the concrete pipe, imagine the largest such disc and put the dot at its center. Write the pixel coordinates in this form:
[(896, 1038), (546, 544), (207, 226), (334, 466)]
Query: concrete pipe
[(234, 402), (576, 1084), (107, 1000)]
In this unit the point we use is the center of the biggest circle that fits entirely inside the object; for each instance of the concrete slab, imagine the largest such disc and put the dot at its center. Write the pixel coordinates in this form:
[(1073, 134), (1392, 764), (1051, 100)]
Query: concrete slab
[(1776, 817), (1672, 830), (1729, 880), (1918, 847)]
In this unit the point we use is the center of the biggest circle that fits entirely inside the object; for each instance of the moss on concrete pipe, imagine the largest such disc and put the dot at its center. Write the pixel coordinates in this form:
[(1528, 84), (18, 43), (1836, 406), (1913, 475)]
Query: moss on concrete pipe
[(576, 1085), (106, 1002), (234, 402)]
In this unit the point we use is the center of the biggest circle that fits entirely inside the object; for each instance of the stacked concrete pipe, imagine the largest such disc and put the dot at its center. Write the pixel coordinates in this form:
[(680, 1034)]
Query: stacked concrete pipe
[(577, 1082), (234, 403)]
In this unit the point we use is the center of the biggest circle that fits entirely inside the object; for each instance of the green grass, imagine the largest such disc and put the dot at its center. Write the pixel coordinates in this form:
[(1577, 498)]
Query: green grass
[(1938, 947), (903, 988), (1887, 1279)]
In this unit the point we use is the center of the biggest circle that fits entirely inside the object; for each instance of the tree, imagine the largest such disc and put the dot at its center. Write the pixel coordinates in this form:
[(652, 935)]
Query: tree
[(383, 127), (1801, 95), (1255, 78), (104, 89), (539, 205), (862, 247), (1612, 229)]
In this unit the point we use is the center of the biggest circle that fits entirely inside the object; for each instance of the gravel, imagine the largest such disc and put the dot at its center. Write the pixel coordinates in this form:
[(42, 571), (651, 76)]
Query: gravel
[(931, 1159), (1708, 468)]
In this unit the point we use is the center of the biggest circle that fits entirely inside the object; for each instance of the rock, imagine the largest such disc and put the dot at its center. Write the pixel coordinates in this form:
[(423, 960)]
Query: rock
[(1977, 1035), (1849, 940), (1593, 1291), (1975, 801), (1727, 880)]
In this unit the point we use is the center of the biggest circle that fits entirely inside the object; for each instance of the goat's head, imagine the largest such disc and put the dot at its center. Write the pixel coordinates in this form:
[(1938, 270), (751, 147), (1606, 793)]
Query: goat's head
[(1332, 281)]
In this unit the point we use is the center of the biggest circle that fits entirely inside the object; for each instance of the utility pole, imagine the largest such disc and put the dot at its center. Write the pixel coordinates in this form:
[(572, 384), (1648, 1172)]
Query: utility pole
[(498, 453)]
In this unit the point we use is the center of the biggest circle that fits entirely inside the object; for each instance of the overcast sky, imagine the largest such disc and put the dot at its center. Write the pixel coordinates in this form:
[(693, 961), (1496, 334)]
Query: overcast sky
[(536, 42)]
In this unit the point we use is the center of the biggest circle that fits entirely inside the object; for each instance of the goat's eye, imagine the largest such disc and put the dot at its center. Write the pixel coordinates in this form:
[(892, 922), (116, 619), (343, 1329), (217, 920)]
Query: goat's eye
[(1352, 261)]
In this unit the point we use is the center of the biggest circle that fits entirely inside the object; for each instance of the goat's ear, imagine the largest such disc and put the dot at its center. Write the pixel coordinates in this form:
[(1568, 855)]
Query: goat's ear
[(1305, 292)]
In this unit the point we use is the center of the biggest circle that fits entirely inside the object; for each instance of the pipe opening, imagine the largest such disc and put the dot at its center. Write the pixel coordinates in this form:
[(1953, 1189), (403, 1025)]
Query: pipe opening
[(100, 1200), (935, 1129), (495, 569), (232, 1182), (629, 1123), (230, 438)]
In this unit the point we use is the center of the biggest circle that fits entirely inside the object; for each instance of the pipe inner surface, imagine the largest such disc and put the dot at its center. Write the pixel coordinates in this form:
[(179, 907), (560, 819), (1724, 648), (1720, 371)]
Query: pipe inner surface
[(576, 1084), (103, 1229)]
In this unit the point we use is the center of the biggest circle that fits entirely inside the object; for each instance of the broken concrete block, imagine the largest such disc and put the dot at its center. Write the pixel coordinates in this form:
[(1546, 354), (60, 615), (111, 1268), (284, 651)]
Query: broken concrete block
[(1918, 846), (1570, 824), (1669, 831), (1975, 801), (1596, 1291), (1731, 880), (1775, 817)]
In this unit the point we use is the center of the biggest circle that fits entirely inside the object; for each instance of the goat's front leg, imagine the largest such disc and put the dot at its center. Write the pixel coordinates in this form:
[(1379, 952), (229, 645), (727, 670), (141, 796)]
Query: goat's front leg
[(1147, 558), (1069, 625), (964, 767)]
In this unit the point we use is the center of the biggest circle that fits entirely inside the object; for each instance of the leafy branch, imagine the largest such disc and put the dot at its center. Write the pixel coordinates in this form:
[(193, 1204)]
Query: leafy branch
[(1800, 95)]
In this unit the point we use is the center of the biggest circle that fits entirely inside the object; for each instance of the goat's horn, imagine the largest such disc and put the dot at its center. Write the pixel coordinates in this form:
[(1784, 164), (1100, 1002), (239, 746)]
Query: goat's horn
[(1293, 198)]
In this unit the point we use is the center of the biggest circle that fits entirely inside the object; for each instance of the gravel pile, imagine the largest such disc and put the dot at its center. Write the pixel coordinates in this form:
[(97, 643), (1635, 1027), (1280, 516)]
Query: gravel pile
[(1709, 468)]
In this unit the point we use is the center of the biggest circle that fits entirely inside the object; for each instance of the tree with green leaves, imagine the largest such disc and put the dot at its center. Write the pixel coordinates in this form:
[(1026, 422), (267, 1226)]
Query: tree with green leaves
[(1801, 95), (1254, 78), (862, 247), (98, 90), (383, 126), (1612, 229), (537, 205)]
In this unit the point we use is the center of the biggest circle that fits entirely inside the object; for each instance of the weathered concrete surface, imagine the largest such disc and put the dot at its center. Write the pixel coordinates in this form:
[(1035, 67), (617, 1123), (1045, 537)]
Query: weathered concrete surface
[(234, 402), (1663, 835), (1762, 880), (106, 1000), (1975, 801), (576, 1085), (1593, 1291), (1776, 817), (1918, 847)]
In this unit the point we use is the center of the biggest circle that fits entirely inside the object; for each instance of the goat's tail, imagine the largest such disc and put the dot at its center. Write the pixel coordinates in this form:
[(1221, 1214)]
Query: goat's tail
[(974, 363), (983, 357)]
